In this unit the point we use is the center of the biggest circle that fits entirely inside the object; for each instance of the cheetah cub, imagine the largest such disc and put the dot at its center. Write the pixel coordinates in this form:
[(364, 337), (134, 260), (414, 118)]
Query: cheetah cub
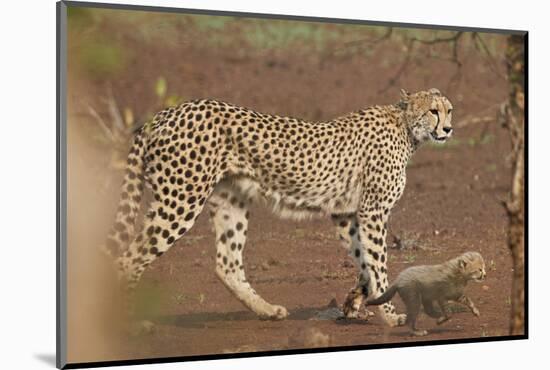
[(424, 285)]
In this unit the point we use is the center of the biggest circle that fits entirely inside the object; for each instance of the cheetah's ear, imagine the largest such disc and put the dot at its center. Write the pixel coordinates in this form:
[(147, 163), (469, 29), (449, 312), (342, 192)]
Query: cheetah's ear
[(462, 264), (404, 99), (434, 91)]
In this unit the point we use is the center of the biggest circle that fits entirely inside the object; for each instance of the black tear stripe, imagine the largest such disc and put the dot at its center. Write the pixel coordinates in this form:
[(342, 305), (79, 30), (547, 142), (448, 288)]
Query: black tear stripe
[(437, 124)]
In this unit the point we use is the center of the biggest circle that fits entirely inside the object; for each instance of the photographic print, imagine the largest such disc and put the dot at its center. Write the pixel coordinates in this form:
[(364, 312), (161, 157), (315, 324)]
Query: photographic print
[(249, 184)]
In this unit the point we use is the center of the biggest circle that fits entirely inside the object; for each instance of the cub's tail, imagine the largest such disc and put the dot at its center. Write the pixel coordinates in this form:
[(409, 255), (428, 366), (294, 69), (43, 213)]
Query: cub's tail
[(122, 231), (388, 294)]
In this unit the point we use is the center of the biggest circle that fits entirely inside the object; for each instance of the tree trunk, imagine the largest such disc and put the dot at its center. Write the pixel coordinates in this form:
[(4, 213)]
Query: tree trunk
[(515, 206)]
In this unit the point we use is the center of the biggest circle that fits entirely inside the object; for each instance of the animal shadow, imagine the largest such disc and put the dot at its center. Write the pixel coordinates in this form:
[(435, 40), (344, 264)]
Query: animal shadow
[(200, 319)]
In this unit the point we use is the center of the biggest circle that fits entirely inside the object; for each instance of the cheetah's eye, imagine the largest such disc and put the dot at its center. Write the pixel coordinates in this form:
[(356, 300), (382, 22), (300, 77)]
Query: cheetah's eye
[(434, 112)]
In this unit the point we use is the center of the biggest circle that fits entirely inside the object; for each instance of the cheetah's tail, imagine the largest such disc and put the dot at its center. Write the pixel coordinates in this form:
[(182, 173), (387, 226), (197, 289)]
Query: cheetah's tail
[(122, 231), (385, 297)]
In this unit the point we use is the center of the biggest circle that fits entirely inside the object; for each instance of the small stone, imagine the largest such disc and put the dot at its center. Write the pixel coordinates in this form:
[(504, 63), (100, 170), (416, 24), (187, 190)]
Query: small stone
[(310, 337), (316, 338)]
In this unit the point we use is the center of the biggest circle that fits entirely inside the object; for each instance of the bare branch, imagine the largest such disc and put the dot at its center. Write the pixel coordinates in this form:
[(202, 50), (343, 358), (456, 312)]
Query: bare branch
[(361, 44), (385, 36), (114, 111), (491, 59), (439, 40), (393, 80), (410, 45), (101, 123)]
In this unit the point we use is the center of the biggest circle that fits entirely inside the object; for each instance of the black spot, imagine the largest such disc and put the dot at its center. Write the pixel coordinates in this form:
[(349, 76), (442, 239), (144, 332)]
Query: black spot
[(125, 209), (239, 226)]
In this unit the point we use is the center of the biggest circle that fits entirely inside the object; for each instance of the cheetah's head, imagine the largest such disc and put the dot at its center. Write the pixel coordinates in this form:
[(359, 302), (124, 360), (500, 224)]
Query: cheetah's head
[(428, 115)]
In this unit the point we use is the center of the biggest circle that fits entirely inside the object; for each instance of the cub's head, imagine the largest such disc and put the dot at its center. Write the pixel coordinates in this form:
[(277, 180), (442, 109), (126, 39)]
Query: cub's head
[(427, 115), (472, 266)]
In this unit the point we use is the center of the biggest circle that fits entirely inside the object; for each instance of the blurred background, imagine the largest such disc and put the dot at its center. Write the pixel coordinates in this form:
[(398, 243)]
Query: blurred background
[(123, 66)]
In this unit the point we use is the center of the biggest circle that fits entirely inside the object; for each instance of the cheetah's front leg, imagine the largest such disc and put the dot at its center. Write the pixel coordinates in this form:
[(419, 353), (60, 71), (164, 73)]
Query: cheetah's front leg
[(348, 233), (370, 256)]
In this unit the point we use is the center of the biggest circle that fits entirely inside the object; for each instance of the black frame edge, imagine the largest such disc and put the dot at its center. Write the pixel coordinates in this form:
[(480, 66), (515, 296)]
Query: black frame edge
[(61, 168), (526, 186)]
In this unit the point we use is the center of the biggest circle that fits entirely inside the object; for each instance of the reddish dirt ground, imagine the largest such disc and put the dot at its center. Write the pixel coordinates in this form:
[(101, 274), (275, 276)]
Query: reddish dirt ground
[(301, 266), (452, 204)]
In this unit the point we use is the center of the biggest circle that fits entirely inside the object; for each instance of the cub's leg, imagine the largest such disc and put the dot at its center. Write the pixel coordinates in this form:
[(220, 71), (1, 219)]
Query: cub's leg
[(229, 214), (430, 310), (444, 313), (412, 302), (468, 302)]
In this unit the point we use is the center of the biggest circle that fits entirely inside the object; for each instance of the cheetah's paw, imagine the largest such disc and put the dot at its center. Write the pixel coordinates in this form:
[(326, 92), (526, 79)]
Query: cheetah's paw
[(275, 313)]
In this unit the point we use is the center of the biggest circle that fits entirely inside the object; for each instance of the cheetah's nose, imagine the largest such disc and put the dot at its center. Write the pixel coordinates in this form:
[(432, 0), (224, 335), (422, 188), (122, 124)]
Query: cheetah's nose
[(447, 130)]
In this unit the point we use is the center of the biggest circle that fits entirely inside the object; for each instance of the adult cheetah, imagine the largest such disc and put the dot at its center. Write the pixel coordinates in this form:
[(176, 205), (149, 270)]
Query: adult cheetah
[(208, 152)]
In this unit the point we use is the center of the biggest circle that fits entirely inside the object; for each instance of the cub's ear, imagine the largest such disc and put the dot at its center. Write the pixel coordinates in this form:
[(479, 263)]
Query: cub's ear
[(462, 264)]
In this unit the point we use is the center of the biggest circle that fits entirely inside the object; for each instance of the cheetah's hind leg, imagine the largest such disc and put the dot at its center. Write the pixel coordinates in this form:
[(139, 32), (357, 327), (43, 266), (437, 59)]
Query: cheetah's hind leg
[(229, 215), (162, 227)]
